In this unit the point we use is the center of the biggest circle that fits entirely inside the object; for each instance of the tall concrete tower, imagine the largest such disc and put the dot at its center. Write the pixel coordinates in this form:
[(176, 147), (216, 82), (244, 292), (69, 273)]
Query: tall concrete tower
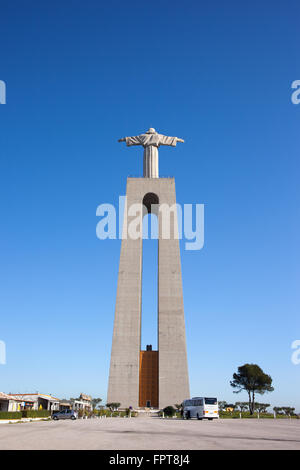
[(149, 378)]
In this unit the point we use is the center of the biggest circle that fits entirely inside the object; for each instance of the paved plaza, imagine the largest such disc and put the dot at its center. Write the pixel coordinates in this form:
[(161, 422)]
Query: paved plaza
[(153, 434)]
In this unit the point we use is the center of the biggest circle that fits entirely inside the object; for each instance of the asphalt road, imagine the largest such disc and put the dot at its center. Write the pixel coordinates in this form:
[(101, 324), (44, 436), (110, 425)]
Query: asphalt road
[(152, 433)]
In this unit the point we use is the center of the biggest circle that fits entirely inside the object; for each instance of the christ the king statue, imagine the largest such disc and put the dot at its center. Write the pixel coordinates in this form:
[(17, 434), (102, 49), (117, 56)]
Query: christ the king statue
[(151, 140)]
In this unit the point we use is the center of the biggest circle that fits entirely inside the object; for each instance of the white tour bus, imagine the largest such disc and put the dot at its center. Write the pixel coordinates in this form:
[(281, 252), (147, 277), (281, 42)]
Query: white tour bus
[(200, 407)]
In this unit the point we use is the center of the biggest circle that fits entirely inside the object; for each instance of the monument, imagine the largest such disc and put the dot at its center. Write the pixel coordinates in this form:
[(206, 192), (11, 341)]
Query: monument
[(149, 378)]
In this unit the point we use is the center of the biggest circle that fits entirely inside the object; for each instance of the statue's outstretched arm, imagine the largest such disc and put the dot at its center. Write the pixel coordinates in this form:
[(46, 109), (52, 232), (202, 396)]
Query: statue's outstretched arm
[(131, 140), (166, 140)]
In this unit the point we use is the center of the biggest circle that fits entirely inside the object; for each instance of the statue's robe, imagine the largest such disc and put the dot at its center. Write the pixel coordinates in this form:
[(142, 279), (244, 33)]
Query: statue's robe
[(151, 142)]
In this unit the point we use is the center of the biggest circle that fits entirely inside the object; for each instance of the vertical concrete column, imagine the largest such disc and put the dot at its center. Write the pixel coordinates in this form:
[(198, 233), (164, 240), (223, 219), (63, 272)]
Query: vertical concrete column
[(123, 384), (173, 367)]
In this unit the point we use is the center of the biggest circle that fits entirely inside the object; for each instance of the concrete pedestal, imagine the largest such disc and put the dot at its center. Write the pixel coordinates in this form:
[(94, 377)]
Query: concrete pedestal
[(173, 383)]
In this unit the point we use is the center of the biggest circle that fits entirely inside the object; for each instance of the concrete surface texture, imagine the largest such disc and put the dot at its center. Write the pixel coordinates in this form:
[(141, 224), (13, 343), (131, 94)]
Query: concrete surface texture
[(152, 433), (124, 367)]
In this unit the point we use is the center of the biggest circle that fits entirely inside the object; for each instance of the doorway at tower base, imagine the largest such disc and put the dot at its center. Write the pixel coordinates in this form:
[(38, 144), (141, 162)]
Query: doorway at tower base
[(148, 379)]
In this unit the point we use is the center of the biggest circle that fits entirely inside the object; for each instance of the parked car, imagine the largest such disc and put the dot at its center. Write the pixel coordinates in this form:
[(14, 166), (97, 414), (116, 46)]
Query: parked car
[(65, 414)]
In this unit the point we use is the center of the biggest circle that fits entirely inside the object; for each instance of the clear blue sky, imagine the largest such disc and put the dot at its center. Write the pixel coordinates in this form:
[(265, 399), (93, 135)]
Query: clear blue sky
[(79, 76)]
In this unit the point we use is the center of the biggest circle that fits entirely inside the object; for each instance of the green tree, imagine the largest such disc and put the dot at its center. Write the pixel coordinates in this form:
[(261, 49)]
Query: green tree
[(178, 407), (277, 410), (95, 402), (169, 411), (222, 405), (242, 405), (113, 406), (288, 410), (252, 379), (261, 407)]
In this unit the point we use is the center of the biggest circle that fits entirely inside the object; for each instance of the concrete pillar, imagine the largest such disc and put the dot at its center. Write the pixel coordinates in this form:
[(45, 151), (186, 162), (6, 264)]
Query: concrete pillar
[(173, 381)]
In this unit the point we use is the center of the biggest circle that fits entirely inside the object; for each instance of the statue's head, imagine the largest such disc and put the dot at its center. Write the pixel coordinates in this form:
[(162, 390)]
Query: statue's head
[(151, 131)]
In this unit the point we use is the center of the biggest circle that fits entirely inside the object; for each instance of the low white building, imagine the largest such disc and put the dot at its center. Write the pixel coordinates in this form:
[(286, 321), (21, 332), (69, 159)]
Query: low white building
[(37, 401), (83, 403), (8, 403)]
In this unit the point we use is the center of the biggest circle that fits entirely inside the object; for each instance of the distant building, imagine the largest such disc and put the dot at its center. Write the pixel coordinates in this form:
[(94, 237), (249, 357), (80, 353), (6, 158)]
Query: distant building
[(83, 403), (65, 405), (8, 403), (37, 401)]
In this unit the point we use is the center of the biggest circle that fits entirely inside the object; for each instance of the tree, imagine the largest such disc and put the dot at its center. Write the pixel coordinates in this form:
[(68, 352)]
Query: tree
[(242, 405), (288, 410), (169, 411), (95, 402), (113, 406), (252, 379), (222, 405), (261, 407), (277, 410), (178, 406)]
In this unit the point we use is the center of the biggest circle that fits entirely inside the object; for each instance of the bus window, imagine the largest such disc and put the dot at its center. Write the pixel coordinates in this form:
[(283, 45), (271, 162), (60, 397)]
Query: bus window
[(210, 401)]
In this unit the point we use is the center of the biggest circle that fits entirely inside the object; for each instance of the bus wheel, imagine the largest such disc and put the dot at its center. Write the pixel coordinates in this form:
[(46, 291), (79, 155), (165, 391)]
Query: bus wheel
[(210, 419), (199, 417), (188, 415)]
